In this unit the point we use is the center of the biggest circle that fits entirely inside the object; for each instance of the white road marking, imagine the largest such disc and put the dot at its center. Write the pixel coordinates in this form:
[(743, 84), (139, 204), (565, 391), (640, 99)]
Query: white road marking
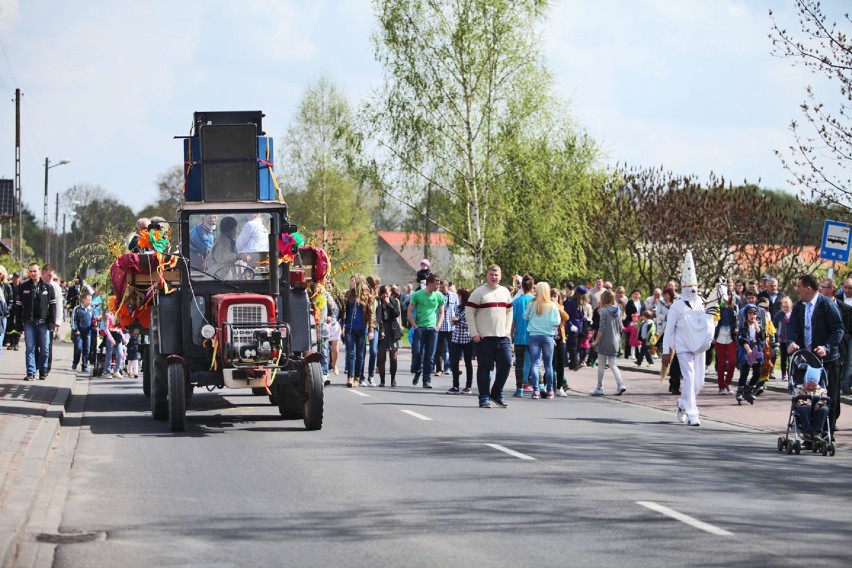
[(512, 453), (684, 518), (414, 414), (359, 393)]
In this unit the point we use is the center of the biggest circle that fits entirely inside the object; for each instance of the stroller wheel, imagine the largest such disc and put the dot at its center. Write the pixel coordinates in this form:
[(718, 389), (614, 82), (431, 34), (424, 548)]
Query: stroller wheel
[(789, 447), (797, 447), (831, 449), (780, 443), (824, 449)]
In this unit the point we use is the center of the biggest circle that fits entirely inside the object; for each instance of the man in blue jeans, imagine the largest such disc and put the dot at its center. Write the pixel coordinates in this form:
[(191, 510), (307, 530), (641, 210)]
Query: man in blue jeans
[(489, 318), (37, 302), (428, 305)]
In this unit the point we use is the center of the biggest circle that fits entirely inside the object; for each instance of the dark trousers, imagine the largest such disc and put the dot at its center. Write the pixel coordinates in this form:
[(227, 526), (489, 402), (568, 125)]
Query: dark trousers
[(442, 352), (645, 354), (572, 338), (492, 352), (559, 362), (755, 375), (428, 341), (832, 368), (457, 350), (520, 353), (82, 342)]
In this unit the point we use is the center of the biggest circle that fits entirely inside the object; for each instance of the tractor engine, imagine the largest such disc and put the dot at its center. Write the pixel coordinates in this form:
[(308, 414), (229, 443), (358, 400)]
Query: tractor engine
[(251, 342)]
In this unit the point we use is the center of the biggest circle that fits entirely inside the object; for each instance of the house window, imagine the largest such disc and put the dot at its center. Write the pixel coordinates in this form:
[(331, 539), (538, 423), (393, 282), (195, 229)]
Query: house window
[(378, 260)]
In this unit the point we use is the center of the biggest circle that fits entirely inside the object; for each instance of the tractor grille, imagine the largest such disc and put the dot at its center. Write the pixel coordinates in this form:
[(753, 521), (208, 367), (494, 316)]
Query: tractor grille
[(245, 314)]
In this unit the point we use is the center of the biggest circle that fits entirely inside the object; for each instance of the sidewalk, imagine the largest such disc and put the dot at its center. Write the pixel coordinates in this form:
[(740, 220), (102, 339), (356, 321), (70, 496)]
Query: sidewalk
[(30, 415)]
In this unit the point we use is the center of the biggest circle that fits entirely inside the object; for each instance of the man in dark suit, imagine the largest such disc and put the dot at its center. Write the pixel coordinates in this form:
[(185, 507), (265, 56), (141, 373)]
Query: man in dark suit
[(816, 325), (773, 294)]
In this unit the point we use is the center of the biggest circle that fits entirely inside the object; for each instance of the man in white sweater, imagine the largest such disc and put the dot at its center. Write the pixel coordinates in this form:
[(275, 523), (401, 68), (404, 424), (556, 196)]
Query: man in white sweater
[(489, 318)]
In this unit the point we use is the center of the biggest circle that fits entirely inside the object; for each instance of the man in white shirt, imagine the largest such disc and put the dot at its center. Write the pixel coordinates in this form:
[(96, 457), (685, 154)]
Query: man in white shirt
[(254, 237)]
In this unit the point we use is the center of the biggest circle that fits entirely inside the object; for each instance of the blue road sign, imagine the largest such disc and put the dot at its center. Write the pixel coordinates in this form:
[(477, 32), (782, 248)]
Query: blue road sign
[(835, 242)]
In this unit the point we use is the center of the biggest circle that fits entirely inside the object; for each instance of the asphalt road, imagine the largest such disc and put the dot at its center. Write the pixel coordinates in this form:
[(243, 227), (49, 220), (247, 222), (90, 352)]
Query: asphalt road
[(410, 477)]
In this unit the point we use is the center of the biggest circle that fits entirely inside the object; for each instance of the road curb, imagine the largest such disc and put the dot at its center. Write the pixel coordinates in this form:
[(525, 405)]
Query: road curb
[(13, 518)]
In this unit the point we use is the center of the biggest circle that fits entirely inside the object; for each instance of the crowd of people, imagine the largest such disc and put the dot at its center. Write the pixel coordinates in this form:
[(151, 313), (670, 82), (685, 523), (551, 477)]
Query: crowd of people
[(34, 308), (545, 332)]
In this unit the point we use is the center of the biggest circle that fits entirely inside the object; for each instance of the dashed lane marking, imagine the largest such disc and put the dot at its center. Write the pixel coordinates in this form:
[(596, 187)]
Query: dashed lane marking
[(416, 415), (512, 453), (693, 522), (359, 393)]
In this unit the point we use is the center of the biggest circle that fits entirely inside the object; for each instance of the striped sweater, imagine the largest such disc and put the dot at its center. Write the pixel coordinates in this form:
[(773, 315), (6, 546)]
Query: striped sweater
[(489, 311)]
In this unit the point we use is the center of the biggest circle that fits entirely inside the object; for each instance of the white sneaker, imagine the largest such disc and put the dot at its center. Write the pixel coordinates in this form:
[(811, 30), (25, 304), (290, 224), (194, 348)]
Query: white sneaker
[(370, 383), (117, 375), (598, 392), (723, 391), (560, 392), (695, 422), (681, 415)]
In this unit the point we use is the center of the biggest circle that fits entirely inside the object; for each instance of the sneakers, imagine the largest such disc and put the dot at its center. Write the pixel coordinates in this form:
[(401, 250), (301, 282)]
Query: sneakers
[(723, 391), (519, 393), (427, 385), (528, 388), (466, 390), (416, 378), (326, 381), (550, 394), (681, 415), (73, 367), (500, 402), (117, 375), (29, 378), (598, 392), (560, 392), (620, 390), (694, 422), (370, 382), (42, 376), (535, 395), (453, 390), (485, 403), (728, 390), (84, 371)]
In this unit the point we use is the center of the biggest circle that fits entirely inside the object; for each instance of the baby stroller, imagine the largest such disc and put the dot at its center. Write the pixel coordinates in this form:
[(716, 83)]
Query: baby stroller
[(805, 366), (97, 356)]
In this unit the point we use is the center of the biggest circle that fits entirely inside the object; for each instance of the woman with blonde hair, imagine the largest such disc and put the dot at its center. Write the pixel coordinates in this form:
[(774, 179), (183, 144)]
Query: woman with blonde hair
[(542, 317), (608, 341), (357, 326)]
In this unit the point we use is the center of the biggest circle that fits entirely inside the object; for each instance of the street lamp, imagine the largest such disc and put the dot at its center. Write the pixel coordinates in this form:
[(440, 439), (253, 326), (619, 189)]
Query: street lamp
[(47, 166)]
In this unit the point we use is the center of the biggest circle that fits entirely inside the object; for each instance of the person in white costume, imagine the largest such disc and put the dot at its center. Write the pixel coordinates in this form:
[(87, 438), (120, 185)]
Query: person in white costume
[(689, 332)]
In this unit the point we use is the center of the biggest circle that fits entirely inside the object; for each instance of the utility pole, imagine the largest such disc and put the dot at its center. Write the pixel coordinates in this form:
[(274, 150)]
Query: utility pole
[(56, 227), (20, 250)]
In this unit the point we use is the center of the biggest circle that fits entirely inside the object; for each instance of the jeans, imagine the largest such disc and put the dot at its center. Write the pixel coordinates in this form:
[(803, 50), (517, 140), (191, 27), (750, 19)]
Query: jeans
[(2, 333), (37, 335), (113, 349), (816, 425), (492, 352), (428, 341), (356, 342), (82, 344), (414, 339), (541, 346), (324, 356), (374, 352)]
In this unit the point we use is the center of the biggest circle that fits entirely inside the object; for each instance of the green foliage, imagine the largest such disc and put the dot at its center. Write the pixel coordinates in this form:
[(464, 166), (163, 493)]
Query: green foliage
[(328, 202), (462, 79), (11, 265), (99, 255)]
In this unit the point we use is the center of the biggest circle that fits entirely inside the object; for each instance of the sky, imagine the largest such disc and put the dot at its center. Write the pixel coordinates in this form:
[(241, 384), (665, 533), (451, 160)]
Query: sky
[(688, 85)]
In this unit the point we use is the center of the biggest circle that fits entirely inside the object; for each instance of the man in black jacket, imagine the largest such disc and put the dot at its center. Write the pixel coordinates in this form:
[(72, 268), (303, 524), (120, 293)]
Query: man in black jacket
[(37, 301), (815, 325)]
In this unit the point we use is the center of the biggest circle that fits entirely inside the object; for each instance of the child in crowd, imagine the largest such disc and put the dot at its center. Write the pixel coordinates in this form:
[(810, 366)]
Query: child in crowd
[(633, 342), (114, 342), (647, 337), (333, 342), (584, 346), (134, 355), (751, 339), (81, 326), (424, 272)]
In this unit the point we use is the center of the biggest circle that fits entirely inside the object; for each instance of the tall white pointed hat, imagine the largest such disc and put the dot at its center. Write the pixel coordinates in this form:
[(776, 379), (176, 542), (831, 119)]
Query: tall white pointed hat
[(687, 275)]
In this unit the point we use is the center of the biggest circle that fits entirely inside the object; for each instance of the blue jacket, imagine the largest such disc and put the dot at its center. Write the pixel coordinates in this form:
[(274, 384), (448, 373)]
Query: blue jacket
[(82, 318), (826, 327)]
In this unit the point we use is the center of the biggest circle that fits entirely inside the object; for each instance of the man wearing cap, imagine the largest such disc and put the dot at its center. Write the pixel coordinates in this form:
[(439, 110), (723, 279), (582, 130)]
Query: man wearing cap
[(815, 324), (689, 331)]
